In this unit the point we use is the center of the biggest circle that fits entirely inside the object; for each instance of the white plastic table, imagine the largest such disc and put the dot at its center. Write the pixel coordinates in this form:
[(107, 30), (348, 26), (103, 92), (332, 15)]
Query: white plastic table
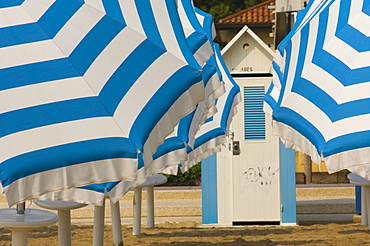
[(64, 212), (20, 224), (365, 197), (156, 179)]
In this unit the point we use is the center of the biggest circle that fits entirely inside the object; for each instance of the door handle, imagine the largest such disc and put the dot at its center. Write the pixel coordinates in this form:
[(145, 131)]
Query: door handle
[(236, 148)]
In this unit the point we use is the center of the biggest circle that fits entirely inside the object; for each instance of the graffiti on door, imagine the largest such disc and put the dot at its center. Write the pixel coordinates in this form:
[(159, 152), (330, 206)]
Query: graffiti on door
[(261, 175)]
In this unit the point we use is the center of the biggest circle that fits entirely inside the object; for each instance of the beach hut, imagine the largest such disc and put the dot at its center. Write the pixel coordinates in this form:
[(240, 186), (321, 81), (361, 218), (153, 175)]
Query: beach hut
[(252, 181)]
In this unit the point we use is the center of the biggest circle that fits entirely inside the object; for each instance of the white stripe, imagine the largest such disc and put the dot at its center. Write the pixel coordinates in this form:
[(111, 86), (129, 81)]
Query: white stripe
[(146, 86), (335, 89), (275, 93), (321, 121), (48, 92), (29, 53), (112, 57), (187, 27), (203, 53), (57, 134), (200, 19), (57, 180), (308, 111), (97, 4), (165, 28), (359, 19), (350, 125), (14, 16), (315, 9), (292, 65), (36, 8), (129, 11), (325, 80), (206, 127), (338, 48), (275, 79), (77, 27), (183, 105)]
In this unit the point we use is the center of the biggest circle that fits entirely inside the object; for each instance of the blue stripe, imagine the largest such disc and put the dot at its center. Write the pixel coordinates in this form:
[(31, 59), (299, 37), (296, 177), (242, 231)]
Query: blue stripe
[(179, 33), (212, 134), (63, 156), (327, 104), (156, 108), (27, 33), (347, 142), (278, 72), (287, 184), (208, 71), (366, 7), (10, 3), (36, 73), (228, 105), (58, 15), (334, 66), (113, 9), (348, 33), (102, 187), (196, 40), (208, 120), (169, 145), (94, 43), (209, 190), (269, 99), (288, 48), (148, 22), (52, 113), (184, 127), (190, 13), (207, 23), (127, 74), (300, 124)]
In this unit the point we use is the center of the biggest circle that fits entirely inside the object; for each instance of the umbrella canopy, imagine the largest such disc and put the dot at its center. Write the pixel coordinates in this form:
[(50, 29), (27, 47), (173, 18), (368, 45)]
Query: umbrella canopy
[(191, 47), (215, 131), (210, 135), (319, 98), (85, 97)]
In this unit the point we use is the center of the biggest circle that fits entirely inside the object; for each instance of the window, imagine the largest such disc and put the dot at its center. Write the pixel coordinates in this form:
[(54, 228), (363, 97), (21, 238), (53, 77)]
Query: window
[(254, 117)]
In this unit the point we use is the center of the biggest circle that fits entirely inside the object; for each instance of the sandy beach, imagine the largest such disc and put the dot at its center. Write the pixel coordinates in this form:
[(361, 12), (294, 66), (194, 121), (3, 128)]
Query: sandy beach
[(192, 233)]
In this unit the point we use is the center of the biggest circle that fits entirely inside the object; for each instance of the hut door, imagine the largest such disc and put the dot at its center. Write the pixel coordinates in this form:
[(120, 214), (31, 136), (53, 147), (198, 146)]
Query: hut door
[(256, 189)]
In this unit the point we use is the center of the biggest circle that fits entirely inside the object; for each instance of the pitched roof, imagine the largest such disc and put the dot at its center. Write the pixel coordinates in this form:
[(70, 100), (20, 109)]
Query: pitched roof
[(259, 13)]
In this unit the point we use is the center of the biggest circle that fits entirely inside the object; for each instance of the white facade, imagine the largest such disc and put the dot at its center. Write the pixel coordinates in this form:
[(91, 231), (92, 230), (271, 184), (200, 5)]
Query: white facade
[(289, 5), (248, 180)]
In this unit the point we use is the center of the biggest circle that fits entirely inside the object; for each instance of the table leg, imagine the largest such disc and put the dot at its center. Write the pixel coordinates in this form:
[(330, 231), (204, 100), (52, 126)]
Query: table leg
[(150, 205), (116, 224), (98, 230), (19, 236), (64, 228), (137, 211)]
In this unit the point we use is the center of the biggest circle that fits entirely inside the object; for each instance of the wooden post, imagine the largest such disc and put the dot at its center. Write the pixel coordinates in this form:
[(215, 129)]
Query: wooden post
[(307, 169)]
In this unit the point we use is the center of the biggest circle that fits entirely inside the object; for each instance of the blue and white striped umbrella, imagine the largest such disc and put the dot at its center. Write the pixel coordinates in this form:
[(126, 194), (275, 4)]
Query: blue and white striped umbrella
[(215, 131), (190, 46), (210, 135), (85, 97), (320, 94)]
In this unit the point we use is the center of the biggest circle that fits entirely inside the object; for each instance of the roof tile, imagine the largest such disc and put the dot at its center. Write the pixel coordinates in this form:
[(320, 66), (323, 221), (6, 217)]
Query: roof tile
[(259, 13)]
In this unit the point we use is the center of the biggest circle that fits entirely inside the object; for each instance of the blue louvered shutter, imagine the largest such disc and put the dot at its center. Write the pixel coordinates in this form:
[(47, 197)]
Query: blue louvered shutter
[(254, 117)]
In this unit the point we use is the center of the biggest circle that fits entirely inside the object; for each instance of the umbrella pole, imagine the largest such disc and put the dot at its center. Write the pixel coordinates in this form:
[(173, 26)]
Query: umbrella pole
[(98, 229), (19, 222), (21, 207)]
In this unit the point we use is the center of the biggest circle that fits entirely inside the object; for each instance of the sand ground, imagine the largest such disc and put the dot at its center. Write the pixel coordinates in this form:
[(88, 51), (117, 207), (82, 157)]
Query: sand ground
[(192, 233)]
